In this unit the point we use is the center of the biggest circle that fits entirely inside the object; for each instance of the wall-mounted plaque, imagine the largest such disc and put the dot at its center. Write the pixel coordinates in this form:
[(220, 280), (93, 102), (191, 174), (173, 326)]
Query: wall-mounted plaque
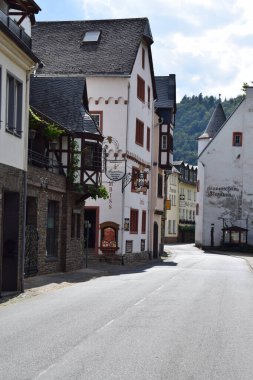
[(129, 246)]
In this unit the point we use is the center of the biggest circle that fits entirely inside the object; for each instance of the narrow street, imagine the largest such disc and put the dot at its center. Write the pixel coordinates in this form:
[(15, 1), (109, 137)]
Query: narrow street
[(189, 318)]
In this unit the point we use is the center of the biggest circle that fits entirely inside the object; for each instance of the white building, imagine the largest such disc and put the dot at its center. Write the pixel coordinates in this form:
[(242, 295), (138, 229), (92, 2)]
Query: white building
[(16, 63), (115, 57), (225, 199)]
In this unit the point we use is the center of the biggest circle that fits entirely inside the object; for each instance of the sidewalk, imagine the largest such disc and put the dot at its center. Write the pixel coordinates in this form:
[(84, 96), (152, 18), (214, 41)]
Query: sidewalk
[(44, 283), (248, 257)]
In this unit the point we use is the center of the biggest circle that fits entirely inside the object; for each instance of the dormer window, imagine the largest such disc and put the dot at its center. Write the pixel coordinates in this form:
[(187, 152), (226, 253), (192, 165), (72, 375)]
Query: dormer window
[(91, 36)]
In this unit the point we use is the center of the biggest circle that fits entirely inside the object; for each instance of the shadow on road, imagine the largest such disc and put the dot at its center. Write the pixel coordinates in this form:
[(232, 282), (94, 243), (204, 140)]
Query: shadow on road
[(45, 283)]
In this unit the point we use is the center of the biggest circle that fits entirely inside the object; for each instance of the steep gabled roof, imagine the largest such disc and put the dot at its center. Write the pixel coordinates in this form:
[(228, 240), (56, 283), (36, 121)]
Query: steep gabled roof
[(217, 119), (63, 100), (61, 48)]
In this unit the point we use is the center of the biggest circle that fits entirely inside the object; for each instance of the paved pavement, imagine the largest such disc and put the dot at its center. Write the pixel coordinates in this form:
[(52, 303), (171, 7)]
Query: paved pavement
[(44, 283), (189, 317), (248, 257)]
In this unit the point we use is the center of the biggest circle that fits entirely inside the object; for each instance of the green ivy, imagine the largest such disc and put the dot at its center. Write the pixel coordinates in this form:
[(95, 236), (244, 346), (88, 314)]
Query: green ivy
[(74, 162), (50, 130), (98, 192)]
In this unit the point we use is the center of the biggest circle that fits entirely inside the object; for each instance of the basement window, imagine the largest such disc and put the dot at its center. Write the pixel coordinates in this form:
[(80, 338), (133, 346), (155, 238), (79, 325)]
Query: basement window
[(91, 36)]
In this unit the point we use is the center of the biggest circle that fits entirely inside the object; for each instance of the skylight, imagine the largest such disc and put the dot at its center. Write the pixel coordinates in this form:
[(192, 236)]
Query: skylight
[(91, 36)]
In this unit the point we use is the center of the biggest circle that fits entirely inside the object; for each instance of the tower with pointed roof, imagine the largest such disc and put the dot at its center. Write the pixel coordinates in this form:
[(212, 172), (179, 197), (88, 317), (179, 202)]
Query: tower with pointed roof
[(217, 119)]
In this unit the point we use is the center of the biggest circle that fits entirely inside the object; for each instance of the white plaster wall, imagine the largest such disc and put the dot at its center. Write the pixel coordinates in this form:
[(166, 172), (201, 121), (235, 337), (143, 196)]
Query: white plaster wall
[(26, 24), (199, 201), (119, 121), (225, 166), (13, 150)]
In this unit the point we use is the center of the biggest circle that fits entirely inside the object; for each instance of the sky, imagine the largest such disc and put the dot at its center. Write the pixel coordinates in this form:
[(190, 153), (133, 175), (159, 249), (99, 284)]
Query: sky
[(208, 44)]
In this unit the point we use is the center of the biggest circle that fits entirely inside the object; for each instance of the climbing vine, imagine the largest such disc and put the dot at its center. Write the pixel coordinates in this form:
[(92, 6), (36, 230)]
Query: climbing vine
[(50, 130), (74, 161), (98, 192)]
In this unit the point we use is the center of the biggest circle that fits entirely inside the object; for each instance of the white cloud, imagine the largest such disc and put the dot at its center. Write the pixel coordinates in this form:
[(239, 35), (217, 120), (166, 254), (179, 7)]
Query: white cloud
[(205, 43)]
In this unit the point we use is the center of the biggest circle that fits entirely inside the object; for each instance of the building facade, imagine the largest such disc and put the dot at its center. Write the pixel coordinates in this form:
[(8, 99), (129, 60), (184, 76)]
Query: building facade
[(17, 61), (224, 197), (121, 91), (181, 212), (162, 161)]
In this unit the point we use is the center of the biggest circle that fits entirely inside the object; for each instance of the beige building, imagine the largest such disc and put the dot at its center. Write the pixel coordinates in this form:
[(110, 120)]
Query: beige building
[(181, 208)]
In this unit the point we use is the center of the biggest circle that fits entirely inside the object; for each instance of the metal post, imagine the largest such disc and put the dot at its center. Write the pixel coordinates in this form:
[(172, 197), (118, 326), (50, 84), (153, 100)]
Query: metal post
[(87, 225), (212, 235)]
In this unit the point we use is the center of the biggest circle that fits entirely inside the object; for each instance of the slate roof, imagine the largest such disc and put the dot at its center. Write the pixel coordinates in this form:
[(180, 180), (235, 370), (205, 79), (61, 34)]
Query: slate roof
[(166, 91), (62, 99), (165, 104), (217, 119), (59, 45)]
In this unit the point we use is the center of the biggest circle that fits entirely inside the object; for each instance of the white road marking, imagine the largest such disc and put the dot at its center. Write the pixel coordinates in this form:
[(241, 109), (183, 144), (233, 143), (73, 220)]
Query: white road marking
[(45, 371), (160, 287), (140, 301), (106, 325)]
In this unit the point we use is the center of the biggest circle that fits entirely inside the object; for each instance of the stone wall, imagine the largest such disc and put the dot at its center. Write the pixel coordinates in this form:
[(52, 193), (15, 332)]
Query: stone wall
[(12, 180), (135, 257), (46, 186)]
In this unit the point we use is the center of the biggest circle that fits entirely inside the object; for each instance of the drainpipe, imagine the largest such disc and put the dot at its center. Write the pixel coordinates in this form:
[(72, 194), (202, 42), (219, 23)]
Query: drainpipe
[(25, 136), (123, 194)]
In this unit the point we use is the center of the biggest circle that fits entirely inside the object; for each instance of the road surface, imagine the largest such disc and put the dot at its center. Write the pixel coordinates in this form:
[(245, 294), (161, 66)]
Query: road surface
[(190, 318)]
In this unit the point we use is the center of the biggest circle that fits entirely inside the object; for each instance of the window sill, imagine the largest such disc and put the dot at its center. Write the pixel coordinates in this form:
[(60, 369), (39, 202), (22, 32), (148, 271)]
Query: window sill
[(11, 132), (142, 100), (51, 258), (138, 143)]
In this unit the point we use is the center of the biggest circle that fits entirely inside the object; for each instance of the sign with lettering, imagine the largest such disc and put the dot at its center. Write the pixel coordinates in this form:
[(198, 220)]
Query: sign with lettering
[(115, 169), (222, 191)]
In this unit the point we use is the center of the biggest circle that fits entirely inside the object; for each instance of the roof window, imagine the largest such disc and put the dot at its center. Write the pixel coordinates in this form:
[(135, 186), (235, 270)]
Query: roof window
[(91, 36)]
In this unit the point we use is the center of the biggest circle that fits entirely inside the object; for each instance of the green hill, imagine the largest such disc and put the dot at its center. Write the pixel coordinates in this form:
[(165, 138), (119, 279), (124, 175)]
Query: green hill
[(192, 117)]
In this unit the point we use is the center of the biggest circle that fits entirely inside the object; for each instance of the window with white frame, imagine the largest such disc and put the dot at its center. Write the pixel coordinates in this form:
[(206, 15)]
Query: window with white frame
[(169, 226), (186, 214), (173, 226), (164, 142), (189, 195), (98, 118), (14, 94)]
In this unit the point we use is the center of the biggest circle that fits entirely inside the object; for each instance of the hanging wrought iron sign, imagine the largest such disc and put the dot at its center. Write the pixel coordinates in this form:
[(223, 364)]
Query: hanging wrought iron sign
[(115, 170), (114, 163)]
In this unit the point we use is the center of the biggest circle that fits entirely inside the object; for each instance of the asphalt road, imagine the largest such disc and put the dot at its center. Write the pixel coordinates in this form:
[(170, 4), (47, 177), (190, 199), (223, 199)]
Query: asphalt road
[(188, 319)]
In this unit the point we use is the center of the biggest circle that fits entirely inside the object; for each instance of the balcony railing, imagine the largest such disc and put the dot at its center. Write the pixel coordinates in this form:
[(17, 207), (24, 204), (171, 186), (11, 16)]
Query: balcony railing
[(41, 161), (15, 29)]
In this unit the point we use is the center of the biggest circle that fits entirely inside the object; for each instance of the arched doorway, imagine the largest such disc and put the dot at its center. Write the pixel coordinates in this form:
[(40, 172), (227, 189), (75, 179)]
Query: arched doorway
[(155, 241)]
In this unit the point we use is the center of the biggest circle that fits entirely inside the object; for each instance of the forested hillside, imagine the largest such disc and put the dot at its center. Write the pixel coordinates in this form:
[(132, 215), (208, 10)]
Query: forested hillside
[(192, 117)]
